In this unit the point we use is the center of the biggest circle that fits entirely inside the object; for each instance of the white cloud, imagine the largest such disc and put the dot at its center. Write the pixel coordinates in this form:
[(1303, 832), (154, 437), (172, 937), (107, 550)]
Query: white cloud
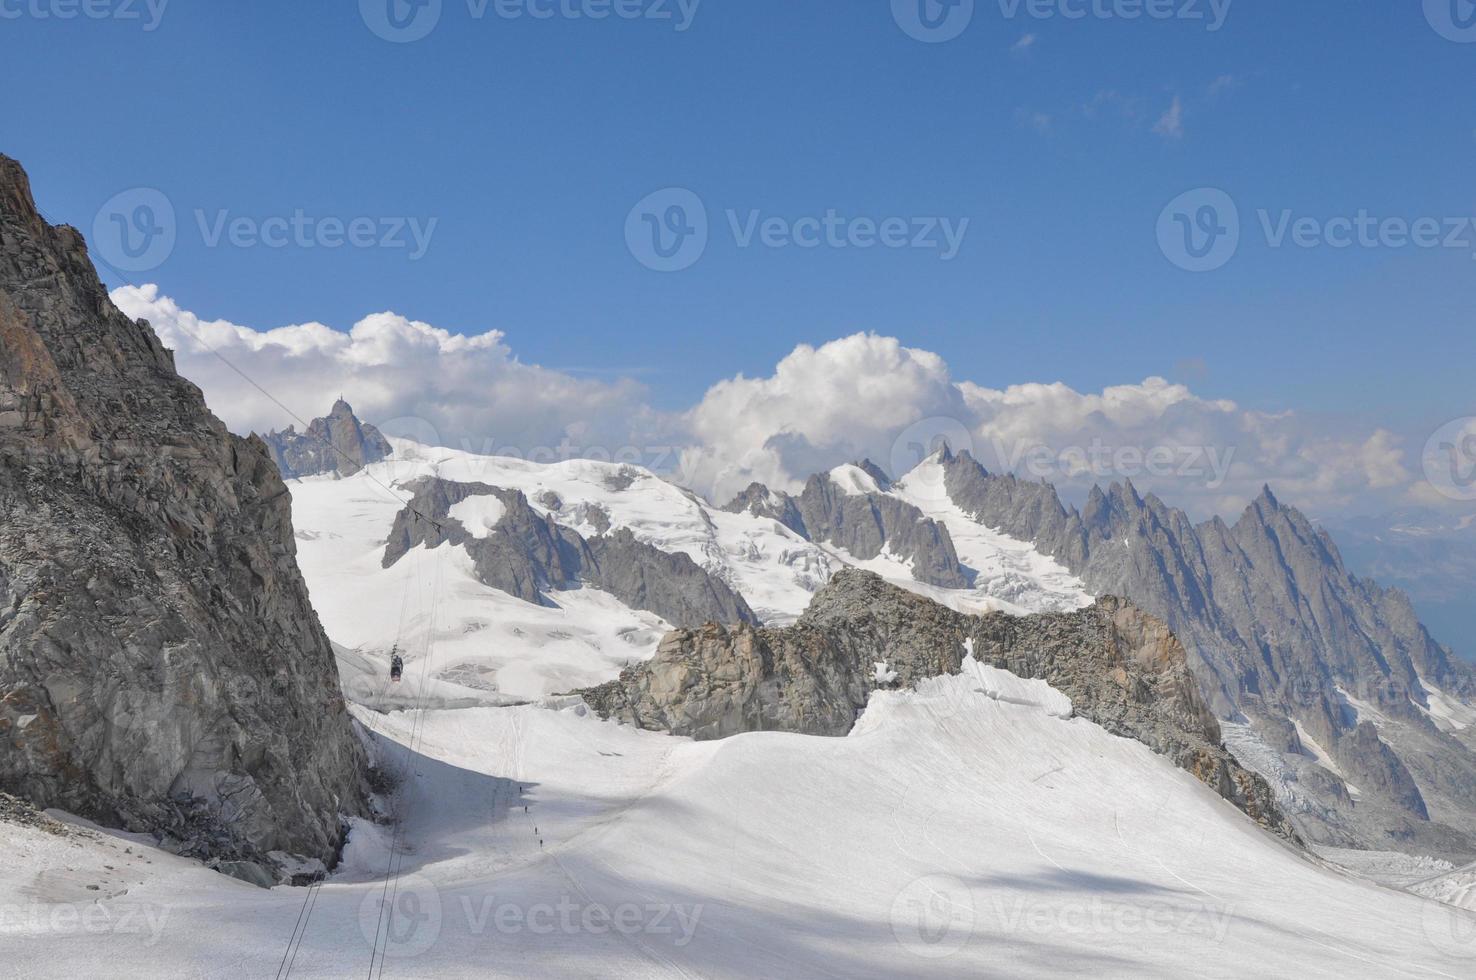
[(1025, 43), (840, 402), (863, 396), (1170, 125), (1223, 84), (463, 391), (869, 396)]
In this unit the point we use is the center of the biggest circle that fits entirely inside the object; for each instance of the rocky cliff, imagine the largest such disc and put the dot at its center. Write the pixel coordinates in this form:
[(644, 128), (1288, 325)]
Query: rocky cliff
[(863, 523), (161, 668), (529, 555), (1122, 669), (1282, 635), (339, 444)]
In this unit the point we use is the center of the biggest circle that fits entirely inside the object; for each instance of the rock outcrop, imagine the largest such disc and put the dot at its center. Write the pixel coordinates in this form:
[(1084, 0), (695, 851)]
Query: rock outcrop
[(530, 555), (1122, 669), (339, 444), (863, 523), (1280, 632), (161, 668)]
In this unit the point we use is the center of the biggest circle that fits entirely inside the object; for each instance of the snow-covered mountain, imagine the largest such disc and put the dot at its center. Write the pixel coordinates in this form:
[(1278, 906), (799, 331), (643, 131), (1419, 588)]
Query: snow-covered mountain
[(974, 822), (488, 641), (1370, 767)]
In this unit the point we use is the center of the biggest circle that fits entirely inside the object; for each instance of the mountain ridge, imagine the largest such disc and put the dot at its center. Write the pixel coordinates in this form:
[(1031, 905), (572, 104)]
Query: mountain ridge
[(161, 666)]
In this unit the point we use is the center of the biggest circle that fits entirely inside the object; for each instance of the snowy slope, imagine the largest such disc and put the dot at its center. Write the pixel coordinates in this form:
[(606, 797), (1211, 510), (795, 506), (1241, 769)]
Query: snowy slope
[(962, 830), (494, 647), (1010, 575)]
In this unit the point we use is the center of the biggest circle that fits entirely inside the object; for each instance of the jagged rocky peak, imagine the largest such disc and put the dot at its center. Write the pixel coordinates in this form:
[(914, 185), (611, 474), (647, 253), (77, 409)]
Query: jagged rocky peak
[(338, 443), (528, 554), (161, 667), (849, 507), (1280, 632), (1121, 668)]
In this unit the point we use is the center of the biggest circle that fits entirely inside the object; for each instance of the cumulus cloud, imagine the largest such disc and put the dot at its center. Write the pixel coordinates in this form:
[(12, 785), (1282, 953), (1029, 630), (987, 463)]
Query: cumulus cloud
[(870, 397), (863, 396), (845, 400), (462, 391)]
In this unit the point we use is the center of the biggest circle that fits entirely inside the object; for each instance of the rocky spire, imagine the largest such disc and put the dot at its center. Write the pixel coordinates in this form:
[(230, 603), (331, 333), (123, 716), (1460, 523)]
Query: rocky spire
[(338, 443)]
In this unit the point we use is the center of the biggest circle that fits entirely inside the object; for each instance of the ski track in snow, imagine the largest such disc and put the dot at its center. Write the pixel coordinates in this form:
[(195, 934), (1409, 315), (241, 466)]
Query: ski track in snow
[(966, 829)]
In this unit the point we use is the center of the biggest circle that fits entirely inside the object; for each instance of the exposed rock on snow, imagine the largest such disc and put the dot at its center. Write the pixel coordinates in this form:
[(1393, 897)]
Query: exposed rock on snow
[(338, 444), (1121, 669), (528, 555), (161, 667), (849, 509)]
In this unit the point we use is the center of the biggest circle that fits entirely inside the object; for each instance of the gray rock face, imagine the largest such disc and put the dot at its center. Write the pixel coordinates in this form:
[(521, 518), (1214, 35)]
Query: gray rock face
[(339, 444), (529, 555), (161, 668), (862, 524), (1121, 668), (1277, 629)]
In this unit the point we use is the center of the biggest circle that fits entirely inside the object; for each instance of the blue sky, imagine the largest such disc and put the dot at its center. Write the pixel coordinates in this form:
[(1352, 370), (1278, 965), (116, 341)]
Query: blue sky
[(530, 140)]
